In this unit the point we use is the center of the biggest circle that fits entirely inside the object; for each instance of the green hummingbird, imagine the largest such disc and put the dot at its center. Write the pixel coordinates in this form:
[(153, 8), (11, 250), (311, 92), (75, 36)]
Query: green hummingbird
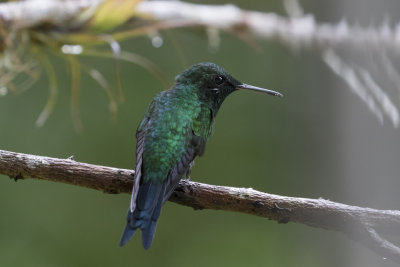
[(173, 132)]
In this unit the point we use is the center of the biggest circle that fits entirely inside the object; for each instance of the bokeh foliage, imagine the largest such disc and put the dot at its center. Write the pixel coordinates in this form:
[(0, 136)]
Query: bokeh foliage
[(290, 146)]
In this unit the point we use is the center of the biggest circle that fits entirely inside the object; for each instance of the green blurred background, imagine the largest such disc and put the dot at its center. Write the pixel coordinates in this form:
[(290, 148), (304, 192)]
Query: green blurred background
[(319, 140)]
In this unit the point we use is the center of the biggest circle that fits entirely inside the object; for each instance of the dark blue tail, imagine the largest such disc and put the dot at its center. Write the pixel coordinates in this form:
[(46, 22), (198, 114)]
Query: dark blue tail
[(128, 231), (146, 213)]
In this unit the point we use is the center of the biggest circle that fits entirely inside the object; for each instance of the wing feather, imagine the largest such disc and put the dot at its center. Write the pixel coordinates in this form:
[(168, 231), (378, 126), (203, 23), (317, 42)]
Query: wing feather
[(196, 146), (140, 137)]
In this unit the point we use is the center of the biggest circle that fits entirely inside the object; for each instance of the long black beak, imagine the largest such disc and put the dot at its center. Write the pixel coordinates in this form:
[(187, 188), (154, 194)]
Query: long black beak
[(259, 89)]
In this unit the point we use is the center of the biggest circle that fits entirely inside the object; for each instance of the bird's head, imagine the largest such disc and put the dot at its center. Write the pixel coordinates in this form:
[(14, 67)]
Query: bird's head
[(213, 83)]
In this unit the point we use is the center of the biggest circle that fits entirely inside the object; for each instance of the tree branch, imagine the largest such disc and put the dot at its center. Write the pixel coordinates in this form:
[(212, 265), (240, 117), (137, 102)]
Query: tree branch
[(301, 31), (296, 31), (360, 224)]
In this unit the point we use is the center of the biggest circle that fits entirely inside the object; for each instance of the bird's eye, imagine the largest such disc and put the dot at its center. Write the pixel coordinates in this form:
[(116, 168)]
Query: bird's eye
[(219, 80)]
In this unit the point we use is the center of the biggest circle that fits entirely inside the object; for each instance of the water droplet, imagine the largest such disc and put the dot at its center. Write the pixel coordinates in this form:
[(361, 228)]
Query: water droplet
[(3, 91), (157, 41), (72, 49)]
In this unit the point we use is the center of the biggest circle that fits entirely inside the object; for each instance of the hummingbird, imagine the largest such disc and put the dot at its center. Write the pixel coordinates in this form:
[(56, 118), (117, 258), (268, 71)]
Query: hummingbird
[(173, 132)]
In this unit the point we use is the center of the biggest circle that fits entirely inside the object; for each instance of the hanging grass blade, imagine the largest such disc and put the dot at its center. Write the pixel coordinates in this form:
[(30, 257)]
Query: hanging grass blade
[(99, 78), (53, 87), (133, 58), (116, 50)]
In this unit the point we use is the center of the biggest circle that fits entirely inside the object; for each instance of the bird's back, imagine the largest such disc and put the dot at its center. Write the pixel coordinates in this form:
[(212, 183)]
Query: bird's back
[(168, 133)]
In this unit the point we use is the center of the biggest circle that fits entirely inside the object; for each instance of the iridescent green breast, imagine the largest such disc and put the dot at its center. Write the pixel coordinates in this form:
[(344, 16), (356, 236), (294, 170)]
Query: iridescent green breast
[(173, 117)]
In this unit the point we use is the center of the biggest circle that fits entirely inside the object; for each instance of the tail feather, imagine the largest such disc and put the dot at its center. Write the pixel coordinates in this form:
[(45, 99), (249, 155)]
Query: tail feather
[(146, 213), (150, 229), (128, 231), (148, 234)]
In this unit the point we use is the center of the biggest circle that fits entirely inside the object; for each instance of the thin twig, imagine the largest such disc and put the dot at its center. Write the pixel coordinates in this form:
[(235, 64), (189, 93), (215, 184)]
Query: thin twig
[(358, 223)]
